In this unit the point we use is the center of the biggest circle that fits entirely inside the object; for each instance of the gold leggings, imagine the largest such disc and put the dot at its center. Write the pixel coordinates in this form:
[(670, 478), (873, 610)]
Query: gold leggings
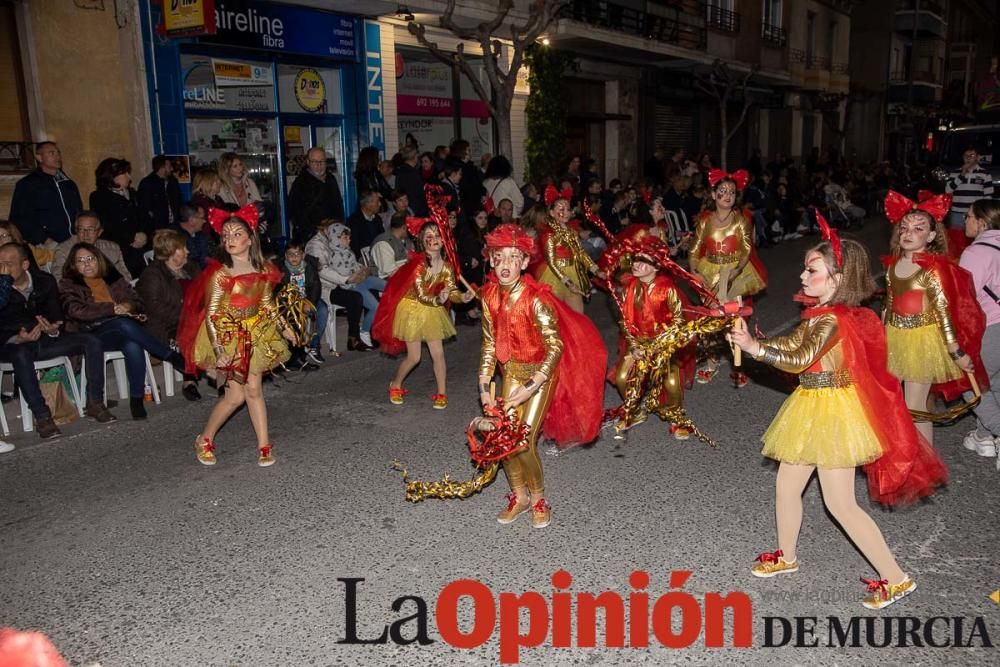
[(525, 467), (672, 386)]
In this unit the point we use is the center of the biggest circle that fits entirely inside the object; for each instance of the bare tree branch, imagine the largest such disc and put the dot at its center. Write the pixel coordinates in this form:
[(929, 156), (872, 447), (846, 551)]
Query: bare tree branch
[(457, 58)]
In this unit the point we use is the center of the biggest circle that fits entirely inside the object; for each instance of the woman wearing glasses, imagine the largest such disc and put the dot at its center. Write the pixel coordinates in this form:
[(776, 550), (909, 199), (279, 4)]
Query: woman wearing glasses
[(98, 300)]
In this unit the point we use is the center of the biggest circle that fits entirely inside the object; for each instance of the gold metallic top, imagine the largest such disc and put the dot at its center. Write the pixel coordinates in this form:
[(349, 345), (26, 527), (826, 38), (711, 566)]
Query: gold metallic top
[(544, 318), (579, 263), (224, 288), (935, 302), (426, 287), (709, 238), (814, 340)]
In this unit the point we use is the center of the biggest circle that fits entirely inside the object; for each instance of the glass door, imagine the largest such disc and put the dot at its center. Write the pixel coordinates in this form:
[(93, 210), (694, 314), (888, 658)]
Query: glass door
[(298, 138)]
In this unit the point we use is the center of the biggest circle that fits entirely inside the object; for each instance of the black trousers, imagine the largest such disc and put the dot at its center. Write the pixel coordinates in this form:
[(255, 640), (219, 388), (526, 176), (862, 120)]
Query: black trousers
[(351, 301)]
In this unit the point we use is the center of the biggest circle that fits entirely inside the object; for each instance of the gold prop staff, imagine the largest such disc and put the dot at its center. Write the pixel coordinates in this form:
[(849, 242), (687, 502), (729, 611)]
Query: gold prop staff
[(953, 413)]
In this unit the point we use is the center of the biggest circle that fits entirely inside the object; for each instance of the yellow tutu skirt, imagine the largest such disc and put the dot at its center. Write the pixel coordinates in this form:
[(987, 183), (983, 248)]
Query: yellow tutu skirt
[(559, 288), (826, 428), (416, 321), (748, 282), (920, 355), (267, 351)]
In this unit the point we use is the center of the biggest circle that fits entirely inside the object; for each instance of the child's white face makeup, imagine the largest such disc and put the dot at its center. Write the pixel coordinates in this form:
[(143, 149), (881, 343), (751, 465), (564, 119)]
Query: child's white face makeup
[(816, 279), (915, 232)]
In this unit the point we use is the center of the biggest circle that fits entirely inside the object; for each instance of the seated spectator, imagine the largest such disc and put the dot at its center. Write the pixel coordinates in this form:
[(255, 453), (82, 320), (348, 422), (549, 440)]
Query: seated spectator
[(40, 257), (400, 208), (163, 283), (205, 188), (531, 197), (428, 169), (505, 212), (117, 207), (31, 328), (301, 271), (98, 300), (390, 249), (89, 230), (365, 224), (191, 224), (841, 205), (500, 184), (386, 169), (160, 195), (593, 244), (335, 287)]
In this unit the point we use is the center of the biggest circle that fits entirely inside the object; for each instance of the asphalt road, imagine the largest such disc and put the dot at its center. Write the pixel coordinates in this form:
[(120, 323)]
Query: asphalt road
[(123, 549)]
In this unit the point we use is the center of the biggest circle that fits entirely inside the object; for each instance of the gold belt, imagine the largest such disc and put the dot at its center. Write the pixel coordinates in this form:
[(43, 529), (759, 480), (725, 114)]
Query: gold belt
[(826, 379), (520, 370), (912, 321), (716, 258)]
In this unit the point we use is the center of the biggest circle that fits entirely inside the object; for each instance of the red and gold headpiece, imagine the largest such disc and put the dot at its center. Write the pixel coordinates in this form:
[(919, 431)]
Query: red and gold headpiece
[(828, 233), (898, 207), (552, 195), (509, 235), (415, 224), (249, 214), (740, 177)]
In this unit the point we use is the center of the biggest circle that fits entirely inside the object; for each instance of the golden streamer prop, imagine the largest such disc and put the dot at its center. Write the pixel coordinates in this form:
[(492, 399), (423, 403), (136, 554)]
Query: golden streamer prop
[(953, 413), (295, 312), (492, 438)]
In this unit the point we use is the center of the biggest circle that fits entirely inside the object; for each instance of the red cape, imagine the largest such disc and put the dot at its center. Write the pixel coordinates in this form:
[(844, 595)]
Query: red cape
[(909, 468), (967, 318), (194, 308), (577, 407), (396, 288)]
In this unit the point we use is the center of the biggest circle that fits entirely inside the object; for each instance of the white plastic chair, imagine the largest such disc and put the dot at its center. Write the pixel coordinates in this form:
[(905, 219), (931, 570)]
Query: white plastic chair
[(147, 257), (45, 364), (170, 376), (331, 325), (121, 379)]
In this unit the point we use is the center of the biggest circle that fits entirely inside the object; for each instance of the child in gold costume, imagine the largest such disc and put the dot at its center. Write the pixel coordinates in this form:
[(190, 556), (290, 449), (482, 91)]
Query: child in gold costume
[(723, 252), (932, 321), (552, 361), (848, 411), (231, 327)]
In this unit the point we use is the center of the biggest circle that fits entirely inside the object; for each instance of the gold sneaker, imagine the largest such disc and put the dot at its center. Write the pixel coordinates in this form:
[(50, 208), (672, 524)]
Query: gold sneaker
[(680, 433), (514, 509), (772, 563), (541, 514), (205, 450), (882, 593), (265, 457)]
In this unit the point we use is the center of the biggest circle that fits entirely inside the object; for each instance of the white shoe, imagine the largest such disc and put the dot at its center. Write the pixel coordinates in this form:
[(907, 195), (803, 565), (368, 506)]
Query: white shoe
[(313, 357), (5, 447), (802, 228), (776, 228), (366, 338), (982, 446)]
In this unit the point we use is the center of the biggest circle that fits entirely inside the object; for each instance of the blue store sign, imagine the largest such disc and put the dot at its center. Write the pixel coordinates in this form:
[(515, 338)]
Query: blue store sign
[(283, 28)]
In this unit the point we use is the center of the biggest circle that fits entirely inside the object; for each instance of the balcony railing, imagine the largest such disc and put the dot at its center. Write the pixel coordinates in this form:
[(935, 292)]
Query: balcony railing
[(680, 28), (721, 19), (773, 34), (925, 6), (17, 156)]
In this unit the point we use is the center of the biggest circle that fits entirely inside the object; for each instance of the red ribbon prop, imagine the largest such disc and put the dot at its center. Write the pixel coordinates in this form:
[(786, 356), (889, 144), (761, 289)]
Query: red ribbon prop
[(897, 206), (827, 233), (552, 195), (596, 221), (437, 205), (740, 177), (508, 436), (248, 214)]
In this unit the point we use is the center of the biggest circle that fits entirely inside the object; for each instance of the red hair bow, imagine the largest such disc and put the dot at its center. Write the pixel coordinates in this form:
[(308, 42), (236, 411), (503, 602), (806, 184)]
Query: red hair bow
[(552, 195), (248, 214), (828, 233), (897, 206), (414, 225), (740, 177), (509, 235)]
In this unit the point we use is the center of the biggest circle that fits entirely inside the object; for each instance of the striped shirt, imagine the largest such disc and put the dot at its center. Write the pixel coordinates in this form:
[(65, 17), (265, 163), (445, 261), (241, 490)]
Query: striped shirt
[(978, 184)]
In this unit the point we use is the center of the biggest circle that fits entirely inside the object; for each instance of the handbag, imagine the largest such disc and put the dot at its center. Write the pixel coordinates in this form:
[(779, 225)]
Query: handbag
[(53, 391)]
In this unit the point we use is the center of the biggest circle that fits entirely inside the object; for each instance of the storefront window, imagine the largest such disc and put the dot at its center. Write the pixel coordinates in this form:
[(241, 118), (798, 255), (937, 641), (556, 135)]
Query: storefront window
[(218, 84), (309, 90)]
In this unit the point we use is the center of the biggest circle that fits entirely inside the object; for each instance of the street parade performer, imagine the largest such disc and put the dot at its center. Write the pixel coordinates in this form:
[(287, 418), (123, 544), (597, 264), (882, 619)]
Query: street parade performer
[(552, 361), (933, 323), (412, 309), (723, 253), (847, 411), (567, 266), (232, 326)]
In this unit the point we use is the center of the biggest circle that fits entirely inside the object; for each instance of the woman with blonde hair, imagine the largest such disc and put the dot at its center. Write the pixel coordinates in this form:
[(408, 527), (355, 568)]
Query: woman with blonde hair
[(237, 186), (205, 188)]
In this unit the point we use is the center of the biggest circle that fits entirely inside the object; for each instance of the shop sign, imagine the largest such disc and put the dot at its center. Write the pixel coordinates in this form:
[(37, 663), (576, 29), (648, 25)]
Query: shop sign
[(284, 28), (201, 91), (373, 68), (188, 18), (236, 73), (310, 91)]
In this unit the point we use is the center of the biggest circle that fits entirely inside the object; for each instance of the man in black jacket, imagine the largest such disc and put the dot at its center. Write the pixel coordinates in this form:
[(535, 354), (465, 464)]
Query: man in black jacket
[(160, 195), (46, 201), (472, 188), (315, 196), (408, 180), (31, 330), (365, 223)]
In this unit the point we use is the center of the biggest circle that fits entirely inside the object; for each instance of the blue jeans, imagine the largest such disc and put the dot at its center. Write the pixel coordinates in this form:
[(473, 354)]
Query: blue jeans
[(364, 288), (132, 340), (322, 315)]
